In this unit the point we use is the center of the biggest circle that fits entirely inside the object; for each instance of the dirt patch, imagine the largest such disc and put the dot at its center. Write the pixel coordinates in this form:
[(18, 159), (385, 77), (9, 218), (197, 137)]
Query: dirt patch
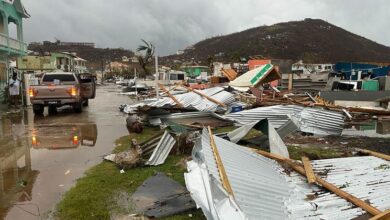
[(343, 144)]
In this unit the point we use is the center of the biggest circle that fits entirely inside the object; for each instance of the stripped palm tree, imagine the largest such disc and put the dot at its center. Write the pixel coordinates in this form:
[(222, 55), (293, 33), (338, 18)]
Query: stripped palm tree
[(145, 59)]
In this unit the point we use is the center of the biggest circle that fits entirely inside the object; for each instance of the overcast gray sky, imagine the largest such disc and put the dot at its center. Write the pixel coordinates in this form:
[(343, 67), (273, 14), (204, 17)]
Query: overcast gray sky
[(175, 24)]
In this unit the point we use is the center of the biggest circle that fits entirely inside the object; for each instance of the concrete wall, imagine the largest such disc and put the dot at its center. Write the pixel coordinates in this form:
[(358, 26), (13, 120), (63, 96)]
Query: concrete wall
[(356, 103), (372, 96)]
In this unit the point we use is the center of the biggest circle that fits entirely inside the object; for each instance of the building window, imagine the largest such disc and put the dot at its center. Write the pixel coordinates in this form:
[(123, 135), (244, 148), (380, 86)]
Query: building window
[(172, 76)]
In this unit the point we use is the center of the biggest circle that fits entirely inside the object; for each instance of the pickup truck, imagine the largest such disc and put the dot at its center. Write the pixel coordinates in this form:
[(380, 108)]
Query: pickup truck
[(57, 89)]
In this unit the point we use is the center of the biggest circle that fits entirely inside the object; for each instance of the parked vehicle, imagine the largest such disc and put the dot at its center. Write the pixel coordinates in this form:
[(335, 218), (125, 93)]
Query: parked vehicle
[(57, 89)]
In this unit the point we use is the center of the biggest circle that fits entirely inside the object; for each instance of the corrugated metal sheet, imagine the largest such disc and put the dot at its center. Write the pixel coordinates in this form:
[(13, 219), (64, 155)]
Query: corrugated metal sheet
[(162, 150), (192, 100), (263, 191), (367, 178), (187, 117), (310, 120)]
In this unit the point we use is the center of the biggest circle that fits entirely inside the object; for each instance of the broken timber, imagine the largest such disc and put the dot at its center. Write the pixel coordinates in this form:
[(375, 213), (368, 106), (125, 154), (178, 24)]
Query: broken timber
[(221, 168), (205, 96), (170, 95), (298, 168), (308, 170), (383, 216), (375, 154)]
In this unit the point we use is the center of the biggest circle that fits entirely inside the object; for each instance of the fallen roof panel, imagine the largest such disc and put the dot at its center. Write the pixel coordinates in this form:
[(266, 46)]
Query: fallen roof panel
[(187, 118), (162, 150), (310, 120), (262, 190), (230, 74), (253, 78), (190, 100), (368, 178)]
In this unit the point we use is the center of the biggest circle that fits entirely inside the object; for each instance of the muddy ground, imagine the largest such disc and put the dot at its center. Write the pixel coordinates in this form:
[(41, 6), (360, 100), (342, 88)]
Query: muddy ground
[(340, 143)]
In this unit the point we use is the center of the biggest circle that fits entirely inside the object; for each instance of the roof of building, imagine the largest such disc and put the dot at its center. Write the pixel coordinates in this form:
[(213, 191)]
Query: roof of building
[(19, 7), (253, 78), (230, 74)]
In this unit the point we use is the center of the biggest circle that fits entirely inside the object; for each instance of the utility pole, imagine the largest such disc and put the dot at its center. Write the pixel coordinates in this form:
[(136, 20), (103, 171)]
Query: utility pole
[(157, 76), (135, 80)]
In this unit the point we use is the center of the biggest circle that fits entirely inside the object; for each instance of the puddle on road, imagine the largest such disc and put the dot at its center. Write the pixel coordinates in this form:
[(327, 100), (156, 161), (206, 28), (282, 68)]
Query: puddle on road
[(41, 157), (380, 129), (64, 137)]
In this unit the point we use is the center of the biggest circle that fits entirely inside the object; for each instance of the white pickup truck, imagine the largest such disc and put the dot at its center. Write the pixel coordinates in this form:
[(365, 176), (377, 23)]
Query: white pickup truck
[(62, 88)]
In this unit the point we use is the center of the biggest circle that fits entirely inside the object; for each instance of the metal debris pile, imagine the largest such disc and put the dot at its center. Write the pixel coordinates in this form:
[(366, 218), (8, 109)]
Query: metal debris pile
[(228, 181), (246, 172)]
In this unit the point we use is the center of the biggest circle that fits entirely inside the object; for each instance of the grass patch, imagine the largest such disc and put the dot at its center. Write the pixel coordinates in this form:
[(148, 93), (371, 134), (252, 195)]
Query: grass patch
[(313, 153), (92, 197)]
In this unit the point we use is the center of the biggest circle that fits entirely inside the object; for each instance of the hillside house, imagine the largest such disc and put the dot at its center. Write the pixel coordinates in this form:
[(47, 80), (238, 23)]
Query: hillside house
[(308, 68), (50, 62), (194, 71), (80, 65)]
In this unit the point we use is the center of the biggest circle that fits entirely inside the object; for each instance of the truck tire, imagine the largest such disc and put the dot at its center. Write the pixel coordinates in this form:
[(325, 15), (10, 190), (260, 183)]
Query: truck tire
[(78, 107), (86, 103), (38, 109)]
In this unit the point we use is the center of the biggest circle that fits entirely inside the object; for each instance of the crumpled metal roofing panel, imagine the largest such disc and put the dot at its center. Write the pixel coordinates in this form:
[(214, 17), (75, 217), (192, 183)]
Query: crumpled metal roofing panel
[(192, 100), (162, 150), (367, 178), (310, 120), (262, 190)]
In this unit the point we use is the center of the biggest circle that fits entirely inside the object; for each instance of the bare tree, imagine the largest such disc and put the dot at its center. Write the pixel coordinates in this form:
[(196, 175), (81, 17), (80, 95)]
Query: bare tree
[(146, 59)]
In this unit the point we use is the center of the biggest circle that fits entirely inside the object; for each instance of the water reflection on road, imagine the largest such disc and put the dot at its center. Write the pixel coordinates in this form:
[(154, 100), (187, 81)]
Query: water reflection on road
[(41, 157)]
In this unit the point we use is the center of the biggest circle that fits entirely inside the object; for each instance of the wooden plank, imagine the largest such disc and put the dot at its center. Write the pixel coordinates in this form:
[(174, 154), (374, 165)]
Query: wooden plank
[(299, 169), (290, 82), (221, 168), (205, 96), (170, 96), (383, 216), (375, 154), (308, 170)]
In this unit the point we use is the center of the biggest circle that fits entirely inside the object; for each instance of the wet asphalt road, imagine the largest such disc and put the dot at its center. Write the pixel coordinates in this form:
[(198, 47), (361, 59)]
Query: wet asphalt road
[(42, 157)]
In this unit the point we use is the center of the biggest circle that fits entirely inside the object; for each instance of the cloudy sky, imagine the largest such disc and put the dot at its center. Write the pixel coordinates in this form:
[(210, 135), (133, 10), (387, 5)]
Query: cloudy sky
[(175, 24)]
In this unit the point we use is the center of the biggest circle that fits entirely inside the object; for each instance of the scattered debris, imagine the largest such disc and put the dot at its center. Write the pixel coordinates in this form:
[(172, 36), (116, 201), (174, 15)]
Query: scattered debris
[(127, 159), (213, 99), (191, 119), (228, 181), (309, 120), (162, 150), (255, 78), (133, 124), (160, 196), (261, 189), (276, 144)]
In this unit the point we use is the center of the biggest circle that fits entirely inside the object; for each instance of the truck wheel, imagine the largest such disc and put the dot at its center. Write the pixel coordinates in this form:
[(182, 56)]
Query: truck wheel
[(38, 109), (78, 107), (86, 103)]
